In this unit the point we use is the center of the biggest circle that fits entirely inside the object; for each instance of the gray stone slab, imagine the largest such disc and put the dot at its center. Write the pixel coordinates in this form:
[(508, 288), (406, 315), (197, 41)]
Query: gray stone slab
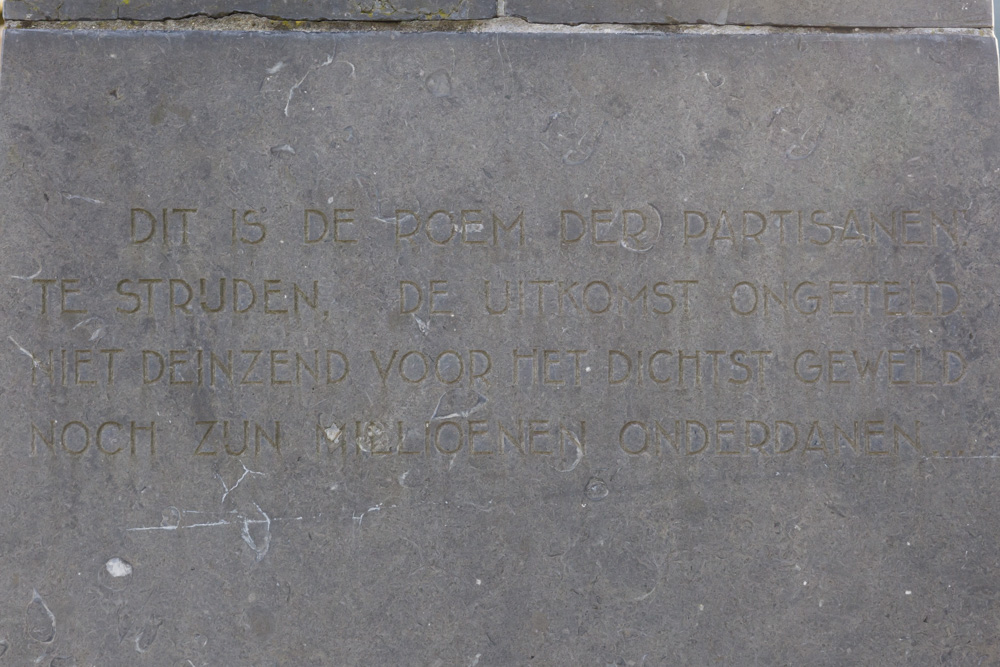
[(498, 349), (293, 10), (853, 13)]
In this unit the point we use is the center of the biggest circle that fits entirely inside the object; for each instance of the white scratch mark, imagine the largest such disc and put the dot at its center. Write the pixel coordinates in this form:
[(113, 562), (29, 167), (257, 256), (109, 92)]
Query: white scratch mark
[(277, 67), (96, 333), (230, 489), (261, 550), (34, 360), (475, 661), (37, 599), (625, 245), (32, 276), (800, 150), (243, 520), (645, 595), (220, 522), (144, 528), (708, 79), (359, 518), (89, 200), (291, 92), (579, 457), (463, 413), (425, 327)]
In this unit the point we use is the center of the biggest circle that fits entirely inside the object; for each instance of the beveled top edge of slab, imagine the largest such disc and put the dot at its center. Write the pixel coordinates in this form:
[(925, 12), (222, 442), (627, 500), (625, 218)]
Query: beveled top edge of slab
[(845, 14), (298, 10), (249, 23), (791, 13)]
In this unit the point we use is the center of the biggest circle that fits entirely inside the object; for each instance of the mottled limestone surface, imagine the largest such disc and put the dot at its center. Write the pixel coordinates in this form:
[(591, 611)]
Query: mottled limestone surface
[(498, 349)]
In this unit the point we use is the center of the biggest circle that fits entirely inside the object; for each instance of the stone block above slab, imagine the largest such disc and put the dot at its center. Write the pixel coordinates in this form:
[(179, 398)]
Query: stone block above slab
[(292, 10), (849, 13)]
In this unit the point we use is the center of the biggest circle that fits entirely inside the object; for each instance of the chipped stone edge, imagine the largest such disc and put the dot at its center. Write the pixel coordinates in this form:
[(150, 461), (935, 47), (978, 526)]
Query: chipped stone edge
[(240, 22)]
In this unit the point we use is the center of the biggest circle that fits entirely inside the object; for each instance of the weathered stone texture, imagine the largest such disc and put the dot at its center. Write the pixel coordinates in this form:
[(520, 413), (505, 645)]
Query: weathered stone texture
[(293, 10), (851, 13), (728, 396)]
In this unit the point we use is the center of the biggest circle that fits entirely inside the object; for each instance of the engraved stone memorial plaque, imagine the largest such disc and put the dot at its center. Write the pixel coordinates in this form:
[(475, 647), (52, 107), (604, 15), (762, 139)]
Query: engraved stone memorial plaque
[(484, 343)]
